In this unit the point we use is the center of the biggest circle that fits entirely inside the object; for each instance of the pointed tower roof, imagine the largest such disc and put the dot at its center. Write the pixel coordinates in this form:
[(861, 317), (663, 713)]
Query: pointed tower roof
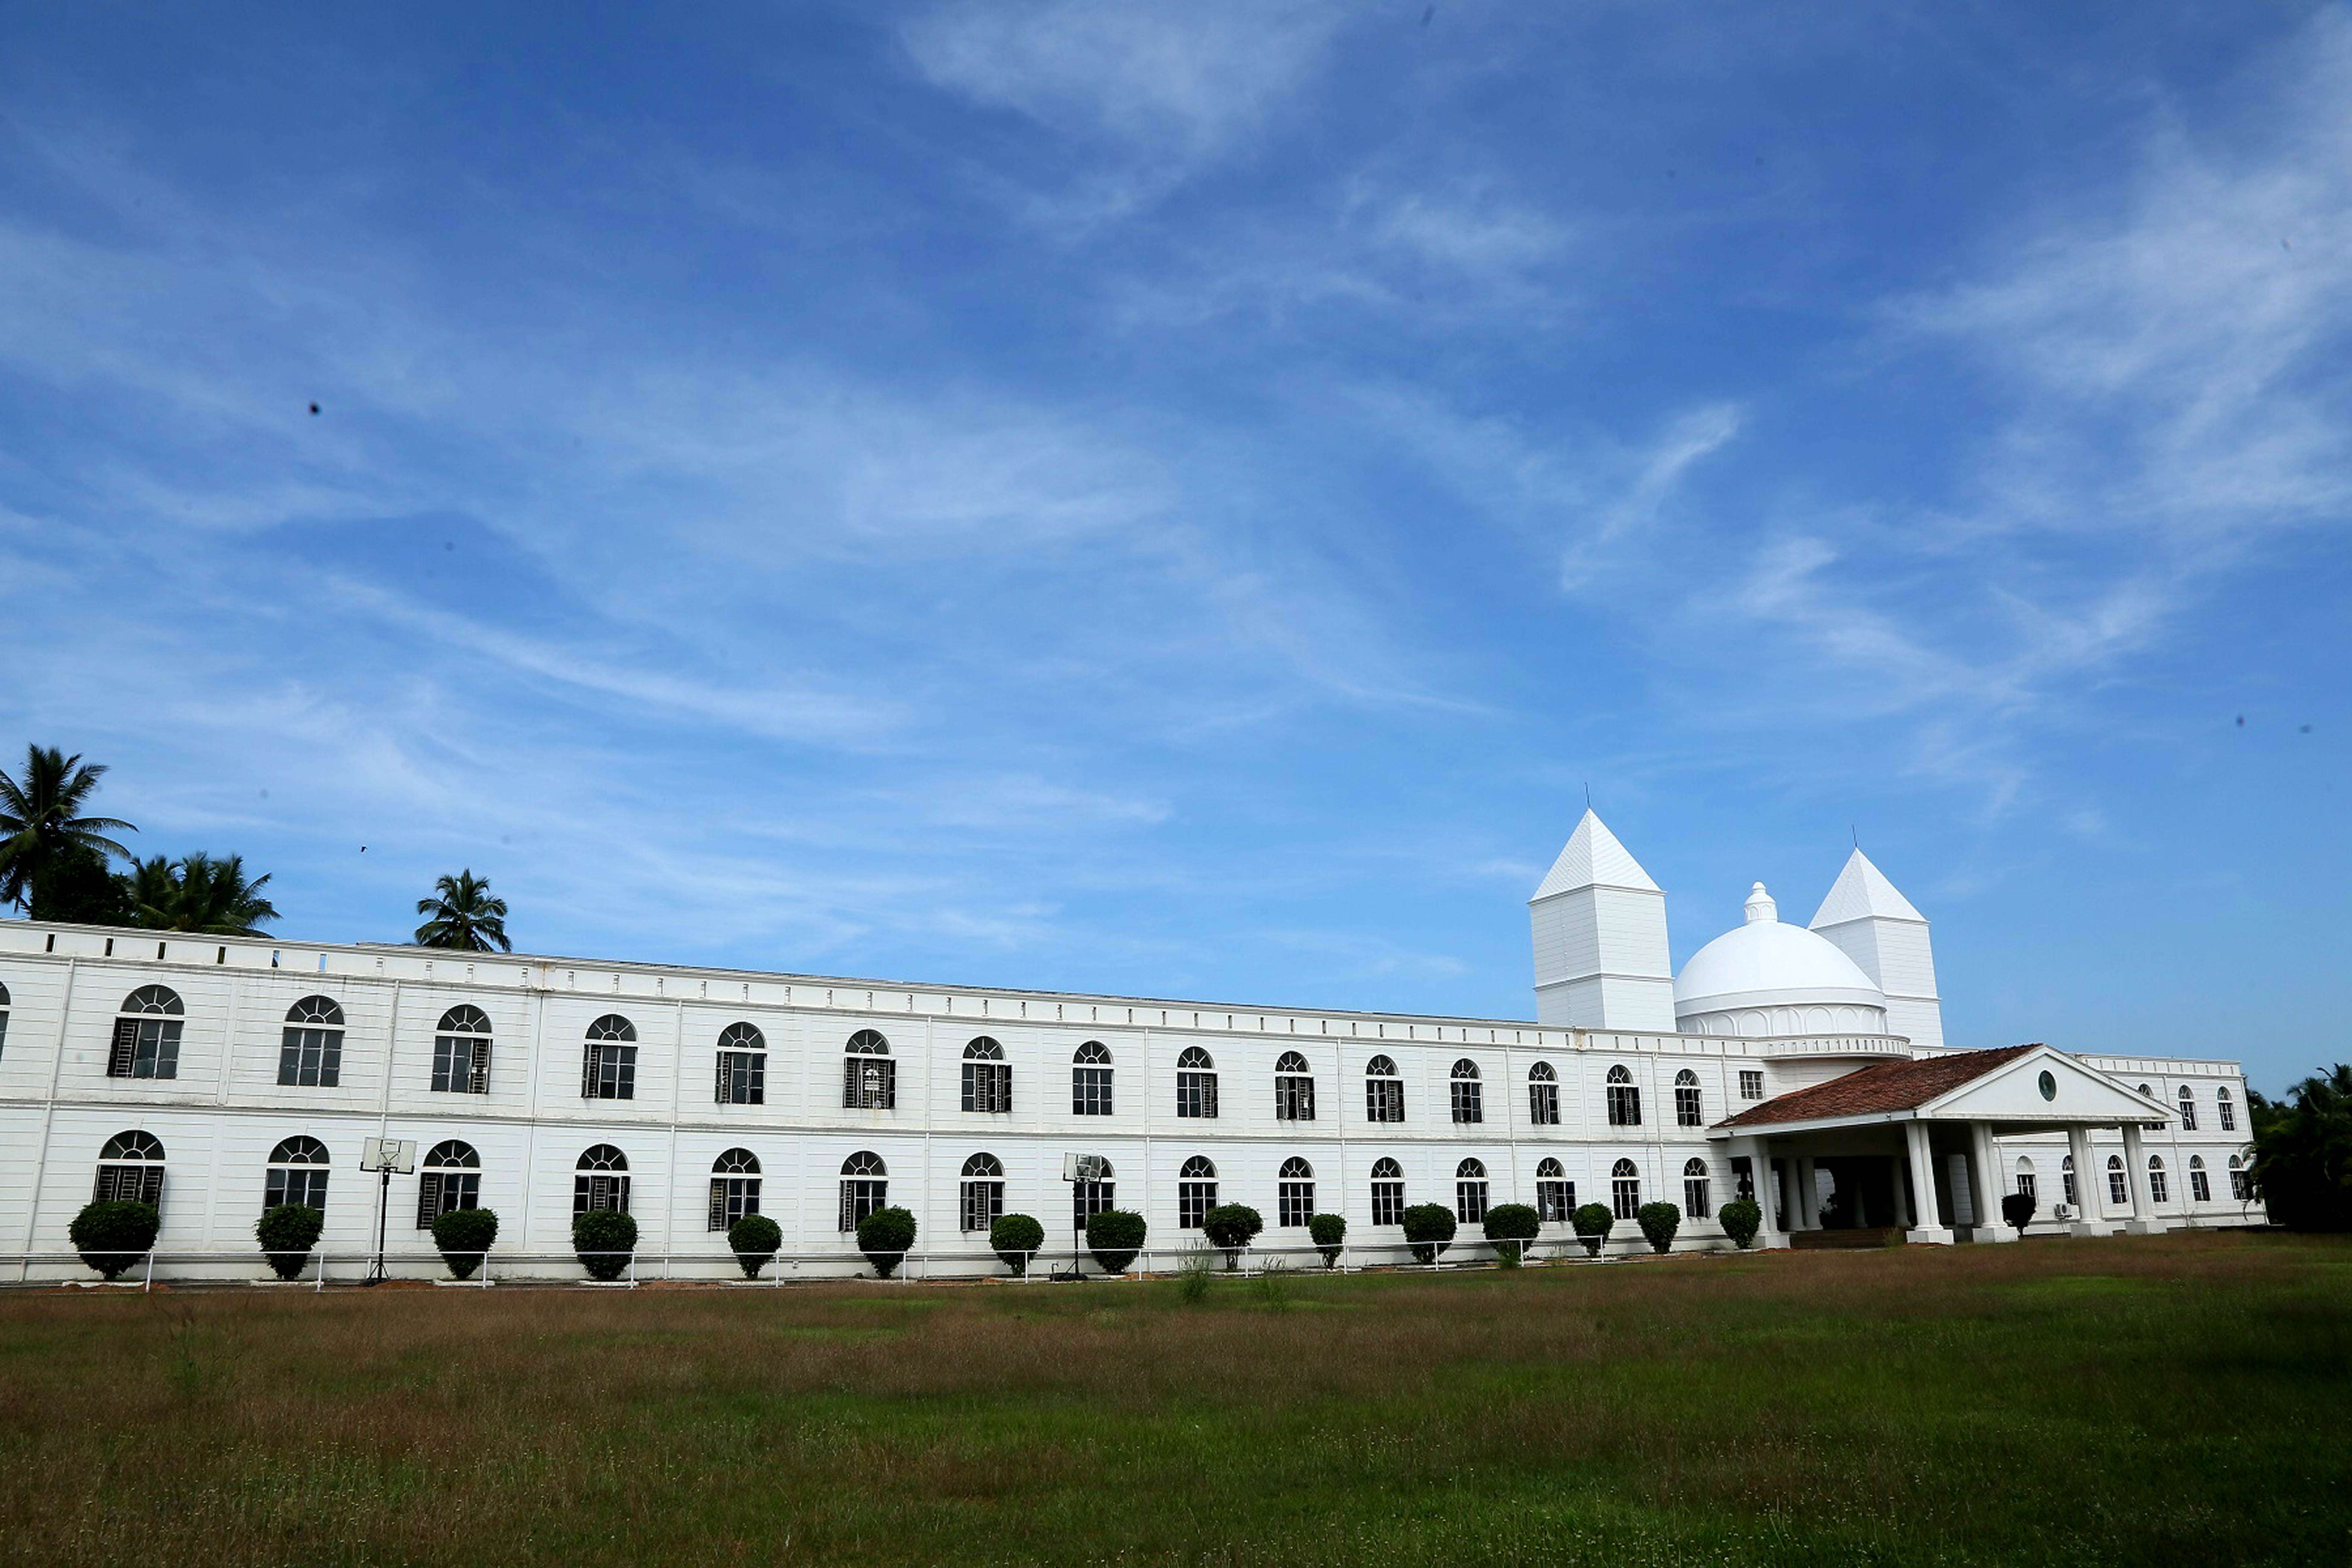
[(1860, 891), (1592, 858)]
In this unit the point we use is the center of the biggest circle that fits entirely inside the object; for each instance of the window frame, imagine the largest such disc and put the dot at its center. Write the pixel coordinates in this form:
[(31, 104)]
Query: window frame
[(987, 1078), (1294, 1193), (735, 1183), (1625, 1190), (869, 1073), (1543, 1095), (1465, 1093), (297, 1173), (122, 1175), (1690, 1105), (865, 1187), (456, 1034), (980, 1194), (1093, 1085), (146, 1038), (600, 1180), (1196, 1084), (1698, 1189), (741, 1067), (1388, 1192), (1622, 1096), (1384, 1092), (1293, 1087), (1555, 1194), (442, 1176), (1196, 1192)]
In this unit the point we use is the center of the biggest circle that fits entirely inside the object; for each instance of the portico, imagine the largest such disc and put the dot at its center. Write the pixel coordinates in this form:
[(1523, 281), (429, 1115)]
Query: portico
[(1914, 1144)]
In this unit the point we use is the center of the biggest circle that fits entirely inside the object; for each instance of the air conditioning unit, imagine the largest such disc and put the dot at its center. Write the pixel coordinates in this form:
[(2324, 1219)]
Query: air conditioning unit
[(2061, 1211)]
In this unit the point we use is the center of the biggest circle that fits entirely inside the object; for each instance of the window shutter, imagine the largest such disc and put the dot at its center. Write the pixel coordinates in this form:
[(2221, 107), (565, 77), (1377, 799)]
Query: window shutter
[(1004, 1087), (428, 1199), (719, 1097), (478, 1081), (848, 1221), (151, 1186), (889, 1086), (717, 1204), (126, 1041), (588, 1073), (848, 1099)]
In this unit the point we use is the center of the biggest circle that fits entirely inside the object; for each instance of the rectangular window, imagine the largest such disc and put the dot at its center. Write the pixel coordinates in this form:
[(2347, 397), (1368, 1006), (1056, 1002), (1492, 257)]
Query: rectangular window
[(129, 1185), (988, 1088), (860, 1198), (1625, 1196), (1388, 1203), (2118, 1193), (869, 1083), (2199, 1189), (1294, 1097), (2027, 1183), (1752, 1083), (1696, 1196), (145, 1048), (2241, 1185), (1687, 1112), (1090, 1092), (2158, 1191), (1294, 1202), (1469, 1099), (1193, 1202), (461, 1064), (742, 1080), (1624, 1105), (1196, 1094), (304, 1184), (1555, 1200), (599, 1191), (1383, 1099), (2228, 1117), (609, 1071), (733, 1197), (439, 1191), (1543, 1104), (1470, 1202), (311, 1058), (982, 1205), (2187, 1115), (1089, 1199)]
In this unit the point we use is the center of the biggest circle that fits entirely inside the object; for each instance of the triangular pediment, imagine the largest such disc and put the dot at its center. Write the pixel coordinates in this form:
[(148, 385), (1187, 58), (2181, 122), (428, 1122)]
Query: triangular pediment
[(2015, 1091)]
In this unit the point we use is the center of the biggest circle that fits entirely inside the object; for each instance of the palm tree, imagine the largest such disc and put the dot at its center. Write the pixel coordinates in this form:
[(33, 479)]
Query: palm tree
[(464, 916), (198, 893), (40, 816)]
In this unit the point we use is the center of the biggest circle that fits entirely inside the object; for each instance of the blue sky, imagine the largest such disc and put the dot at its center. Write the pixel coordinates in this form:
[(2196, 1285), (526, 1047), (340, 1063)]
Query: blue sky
[(1184, 499)]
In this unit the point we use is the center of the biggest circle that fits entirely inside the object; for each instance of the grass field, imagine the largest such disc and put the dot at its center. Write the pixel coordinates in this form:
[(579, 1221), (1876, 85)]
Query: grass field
[(2177, 1399)]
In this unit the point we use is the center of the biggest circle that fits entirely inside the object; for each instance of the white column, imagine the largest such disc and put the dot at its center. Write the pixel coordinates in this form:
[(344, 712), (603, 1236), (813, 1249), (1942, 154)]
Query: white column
[(1986, 1158), (2143, 1221), (1809, 1195), (1927, 1221), (1770, 1233), (2090, 1182)]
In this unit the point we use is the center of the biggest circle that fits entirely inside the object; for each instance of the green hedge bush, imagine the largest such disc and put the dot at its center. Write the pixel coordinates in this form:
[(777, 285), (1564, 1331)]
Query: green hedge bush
[(1742, 1219), (464, 1236), (1017, 1239), (1593, 1221), (1510, 1226), (603, 1238), (1232, 1226), (885, 1236), (113, 1237), (1428, 1226), (1115, 1236), (287, 1234), (1330, 1230), (1659, 1222), (754, 1239)]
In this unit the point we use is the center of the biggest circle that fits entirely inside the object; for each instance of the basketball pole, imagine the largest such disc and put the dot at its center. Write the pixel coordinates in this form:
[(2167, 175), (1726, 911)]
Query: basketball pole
[(377, 1275)]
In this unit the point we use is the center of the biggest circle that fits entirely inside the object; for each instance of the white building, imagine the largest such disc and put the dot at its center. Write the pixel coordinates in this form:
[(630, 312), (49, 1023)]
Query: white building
[(220, 1075)]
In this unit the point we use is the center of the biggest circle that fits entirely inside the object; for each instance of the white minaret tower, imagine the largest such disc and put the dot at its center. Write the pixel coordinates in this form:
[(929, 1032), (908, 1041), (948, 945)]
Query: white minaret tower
[(1877, 927), (1599, 927)]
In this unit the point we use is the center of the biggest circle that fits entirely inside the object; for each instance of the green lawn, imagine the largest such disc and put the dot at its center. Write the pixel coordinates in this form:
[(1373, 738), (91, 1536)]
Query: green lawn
[(2177, 1399)]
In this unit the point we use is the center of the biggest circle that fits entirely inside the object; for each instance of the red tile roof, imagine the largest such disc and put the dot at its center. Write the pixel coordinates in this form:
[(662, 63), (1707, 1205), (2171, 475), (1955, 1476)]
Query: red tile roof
[(1882, 1088)]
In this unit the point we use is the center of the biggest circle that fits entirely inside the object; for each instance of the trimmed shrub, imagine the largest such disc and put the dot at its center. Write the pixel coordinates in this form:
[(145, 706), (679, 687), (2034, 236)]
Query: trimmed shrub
[(1659, 1222), (1742, 1219), (1328, 1231), (885, 1236), (287, 1234), (1593, 1221), (603, 1239), (1428, 1226), (1510, 1226), (2018, 1209), (464, 1236), (110, 1238), (1017, 1239), (1230, 1227), (1115, 1236), (754, 1239)]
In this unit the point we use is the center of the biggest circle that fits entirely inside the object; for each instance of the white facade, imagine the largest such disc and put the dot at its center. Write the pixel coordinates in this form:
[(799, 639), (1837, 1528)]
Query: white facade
[(228, 1103)]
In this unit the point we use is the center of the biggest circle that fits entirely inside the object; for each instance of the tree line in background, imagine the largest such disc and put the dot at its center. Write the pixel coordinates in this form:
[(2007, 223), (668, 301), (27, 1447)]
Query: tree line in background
[(57, 863), (2303, 1152)]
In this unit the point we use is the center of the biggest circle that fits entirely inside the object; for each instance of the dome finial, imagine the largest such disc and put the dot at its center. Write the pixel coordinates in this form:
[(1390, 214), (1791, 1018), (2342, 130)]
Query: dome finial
[(1760, 906)]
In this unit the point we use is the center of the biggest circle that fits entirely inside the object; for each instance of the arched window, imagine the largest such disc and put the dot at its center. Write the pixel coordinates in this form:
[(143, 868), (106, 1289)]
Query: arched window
[(608, 1062), (1383, 1091), (2027, 1182), (2118, 1185), (1687, 1110), (601, 1181), (2188, 1110), (734, 1187), (987, 1078), (982, 1195), (2158, 1191), (1196, 1192), (1196, 1083), (1624, 1189), (1090, 1085), (2242, 1181), (741, 1070), (2200, 1187), (2228, 1112), (869, 1079), (1697, 1199), (1388, 1192), (311, 1054), (1294, 1193), (129, 1170), (1555, 1194), (1469, 1094), (1089, 1199), (146, 1035), (1294, 1088), (2146, 1091), (865, 1187), (450, 1178), (1624, 1099), (461, 1052), (1470, 1192), (297, 1175), (2067, 1181), (1543, 1095)]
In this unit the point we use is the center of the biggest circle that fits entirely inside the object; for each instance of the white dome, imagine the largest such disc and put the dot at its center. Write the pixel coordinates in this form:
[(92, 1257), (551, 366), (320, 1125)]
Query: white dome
[(1770, 978)]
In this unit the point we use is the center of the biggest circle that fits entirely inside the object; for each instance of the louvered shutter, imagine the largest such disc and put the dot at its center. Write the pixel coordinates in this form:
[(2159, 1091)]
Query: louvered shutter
[(126, 1043), (717, 1204), (428, 1199), (477, 1080)]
